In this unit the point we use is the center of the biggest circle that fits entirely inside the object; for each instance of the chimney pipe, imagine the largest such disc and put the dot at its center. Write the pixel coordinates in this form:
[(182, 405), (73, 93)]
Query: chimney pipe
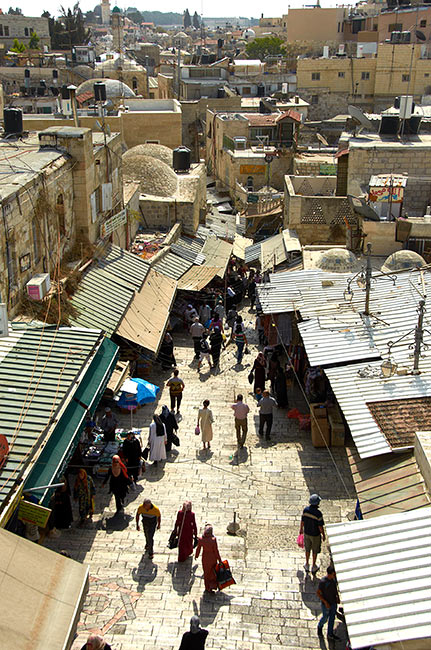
[(72, 90)]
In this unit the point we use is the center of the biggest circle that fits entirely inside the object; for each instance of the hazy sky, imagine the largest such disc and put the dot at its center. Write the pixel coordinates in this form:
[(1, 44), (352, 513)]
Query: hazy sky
[(220, 8)]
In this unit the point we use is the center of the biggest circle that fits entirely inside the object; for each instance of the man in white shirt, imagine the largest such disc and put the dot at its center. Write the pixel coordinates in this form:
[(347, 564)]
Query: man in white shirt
[(241, 411), (196, 332)]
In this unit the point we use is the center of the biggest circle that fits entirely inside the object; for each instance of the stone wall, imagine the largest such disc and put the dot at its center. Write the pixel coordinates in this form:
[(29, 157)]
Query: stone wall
[(193, 119)]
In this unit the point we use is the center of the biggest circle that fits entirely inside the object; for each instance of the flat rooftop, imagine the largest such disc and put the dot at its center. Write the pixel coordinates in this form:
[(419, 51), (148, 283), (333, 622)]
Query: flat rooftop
[(373, 140)]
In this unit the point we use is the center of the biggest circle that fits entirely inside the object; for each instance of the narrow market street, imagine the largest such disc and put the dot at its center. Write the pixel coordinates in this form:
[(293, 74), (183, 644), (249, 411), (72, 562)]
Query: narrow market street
[(141, 604)]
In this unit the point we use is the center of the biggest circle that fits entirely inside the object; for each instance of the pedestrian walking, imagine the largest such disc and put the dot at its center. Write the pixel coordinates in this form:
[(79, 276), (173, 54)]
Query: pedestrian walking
[(239, 338), (205, 314), (204, 354), (119, 482), (327, 592), (273, 365), (215, 321), (108, 424), (195, 639), (219, 308), (62, 506), (205, 422), (185, 528), (260, 327), (83, 492), (132, 452), (157, 440), (196, 332), (280, 387), (216, 342), (96, 642), (166, 354), (210, 557), (266, 408), (171, 425), (251, 292), (231, 317), (151, 520), (241, 411), (312, 528), (176, 387), (259, 371), (190, 314)]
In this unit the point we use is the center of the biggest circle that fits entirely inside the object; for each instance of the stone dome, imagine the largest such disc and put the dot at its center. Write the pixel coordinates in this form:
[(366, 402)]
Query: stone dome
[(114, 88), (337, 260), (158, 151), (249, 34), (402, 260), (155, 177), (83, 71), (119, 62)]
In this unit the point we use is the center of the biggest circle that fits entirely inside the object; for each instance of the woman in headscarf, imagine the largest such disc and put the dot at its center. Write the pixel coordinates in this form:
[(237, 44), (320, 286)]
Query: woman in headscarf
[(280, 388), (216, 341), (95, 642), (166, 355), (210, 558), (62, 507), (185, 528), (259, 369), (205, 422), (157, 440), (119, 481), (195, 639), (83, 492), (171, 425)]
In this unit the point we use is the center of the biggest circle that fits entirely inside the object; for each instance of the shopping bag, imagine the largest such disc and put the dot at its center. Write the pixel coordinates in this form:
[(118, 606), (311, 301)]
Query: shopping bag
[(224, 575), (197, 430), (145, 453), (173, 540), (175, 440), (250, 377), (300, 540)]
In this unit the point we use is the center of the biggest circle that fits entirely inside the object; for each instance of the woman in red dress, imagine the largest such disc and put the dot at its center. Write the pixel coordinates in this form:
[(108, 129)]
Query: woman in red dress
[(185, 527), (210, 558)]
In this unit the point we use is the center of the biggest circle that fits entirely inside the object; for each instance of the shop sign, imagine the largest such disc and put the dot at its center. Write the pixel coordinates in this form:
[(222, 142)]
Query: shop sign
[(252, 169), (4, 450), (386, 194), (113, 223), (252, 198), (32, 513)]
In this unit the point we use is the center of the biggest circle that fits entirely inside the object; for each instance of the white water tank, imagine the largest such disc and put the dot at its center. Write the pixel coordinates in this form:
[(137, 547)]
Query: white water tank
[(406, 107), (326, 51)]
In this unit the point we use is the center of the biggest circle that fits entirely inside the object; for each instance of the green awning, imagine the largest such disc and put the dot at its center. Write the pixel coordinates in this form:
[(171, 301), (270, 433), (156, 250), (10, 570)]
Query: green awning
[(65, 437)]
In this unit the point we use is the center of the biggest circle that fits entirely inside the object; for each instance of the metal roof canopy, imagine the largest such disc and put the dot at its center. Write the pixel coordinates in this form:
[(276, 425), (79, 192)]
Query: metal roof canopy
[(145, 320), (124, 266), (383, 570), (172, 265), (217, 253), (53, 588), (197, 277)]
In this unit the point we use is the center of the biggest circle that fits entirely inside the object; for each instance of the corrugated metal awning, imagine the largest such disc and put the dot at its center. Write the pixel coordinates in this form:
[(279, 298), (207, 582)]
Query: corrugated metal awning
[(172, 266), (197, 277), (383, 570), (146, 319), (217, 253), (124, 266)]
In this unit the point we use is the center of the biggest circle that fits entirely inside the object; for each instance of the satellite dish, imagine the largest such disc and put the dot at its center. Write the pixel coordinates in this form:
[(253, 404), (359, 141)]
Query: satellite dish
[(420, 35), (360, 118), (359, 206), (322, 140)]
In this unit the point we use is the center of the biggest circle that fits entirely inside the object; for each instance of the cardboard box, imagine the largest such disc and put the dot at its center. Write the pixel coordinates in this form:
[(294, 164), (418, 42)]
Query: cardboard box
[(337, 434), (318, 411), (320, 432)]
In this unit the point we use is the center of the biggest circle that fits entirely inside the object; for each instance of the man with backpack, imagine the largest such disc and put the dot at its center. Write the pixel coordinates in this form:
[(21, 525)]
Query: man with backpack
[(204, 350)]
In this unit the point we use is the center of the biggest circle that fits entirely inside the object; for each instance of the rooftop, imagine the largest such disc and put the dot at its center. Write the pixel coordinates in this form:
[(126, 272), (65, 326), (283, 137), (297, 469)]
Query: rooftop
[(373, 140)]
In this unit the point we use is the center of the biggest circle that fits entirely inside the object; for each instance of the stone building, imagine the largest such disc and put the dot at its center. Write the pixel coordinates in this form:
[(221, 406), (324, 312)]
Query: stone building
[(58, 186), (371, 82), (315, 23), (22, 27)]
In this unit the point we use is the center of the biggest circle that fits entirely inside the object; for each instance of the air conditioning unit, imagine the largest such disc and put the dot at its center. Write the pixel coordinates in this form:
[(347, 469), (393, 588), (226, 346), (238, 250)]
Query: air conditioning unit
[(240, 143), (38, 286), (4, 330)]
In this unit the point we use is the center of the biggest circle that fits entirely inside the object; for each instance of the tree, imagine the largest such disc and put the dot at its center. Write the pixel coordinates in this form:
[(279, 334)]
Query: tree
[(196, 20), (69, 29), (15, 12), (262, 47), (33, 43), (18, 46), (187, 21)]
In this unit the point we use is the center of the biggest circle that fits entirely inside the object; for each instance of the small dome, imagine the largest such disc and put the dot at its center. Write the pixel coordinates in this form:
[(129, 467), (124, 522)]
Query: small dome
[(337, 260), (181, 35), (83, 71), (114, 88), (156, 177), (402, 260), (249, 34), (116, 10), (158, 151), (119, 62)]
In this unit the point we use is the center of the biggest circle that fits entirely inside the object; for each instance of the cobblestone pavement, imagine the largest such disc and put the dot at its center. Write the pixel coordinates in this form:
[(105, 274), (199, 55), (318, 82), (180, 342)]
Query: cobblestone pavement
[(141, 604)]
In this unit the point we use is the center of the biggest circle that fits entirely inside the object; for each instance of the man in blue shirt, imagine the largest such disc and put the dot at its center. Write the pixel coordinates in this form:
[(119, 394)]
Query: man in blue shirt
[(312, 528)]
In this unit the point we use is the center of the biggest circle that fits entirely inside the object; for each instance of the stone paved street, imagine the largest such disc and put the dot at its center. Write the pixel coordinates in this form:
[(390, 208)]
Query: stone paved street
[(146, 604)]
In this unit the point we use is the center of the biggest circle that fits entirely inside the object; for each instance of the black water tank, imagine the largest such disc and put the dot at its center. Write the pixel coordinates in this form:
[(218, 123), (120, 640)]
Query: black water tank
[(55, 74), (397, 102), (12, 121), (181, 159), (260, 90), (205, 59), (220, 93), (99, 91), (65, 92), (389, 125)]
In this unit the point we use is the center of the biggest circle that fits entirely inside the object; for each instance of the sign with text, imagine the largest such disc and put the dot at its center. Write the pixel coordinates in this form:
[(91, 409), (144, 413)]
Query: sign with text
[(113, 223), (32, 513), (386, 194), (252, 169)]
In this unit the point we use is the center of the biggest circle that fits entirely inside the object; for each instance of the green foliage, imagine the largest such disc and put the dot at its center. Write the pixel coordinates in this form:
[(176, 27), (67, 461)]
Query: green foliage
[(187, 21), (18, 46), (33, 43), (15, 12), (69, 29), (262, 47)]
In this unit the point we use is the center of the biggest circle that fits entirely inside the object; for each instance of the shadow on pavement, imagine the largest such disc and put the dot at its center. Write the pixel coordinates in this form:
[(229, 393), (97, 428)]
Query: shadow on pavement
[(119, 521), (209, 605), (183, 575), (145, 573)]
